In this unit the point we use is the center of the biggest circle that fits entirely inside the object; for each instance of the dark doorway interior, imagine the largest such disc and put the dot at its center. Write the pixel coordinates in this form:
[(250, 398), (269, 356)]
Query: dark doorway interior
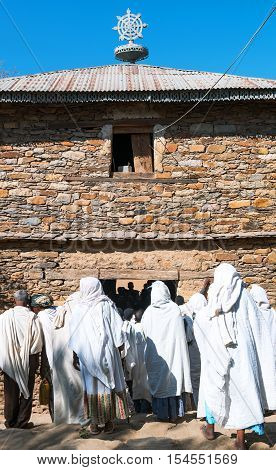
[(122, 152)]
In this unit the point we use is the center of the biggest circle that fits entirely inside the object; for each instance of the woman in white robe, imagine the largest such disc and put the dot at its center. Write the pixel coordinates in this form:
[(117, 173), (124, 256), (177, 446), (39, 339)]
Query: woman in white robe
[(196, 303), (167, 356), (95, 336), (260, 297), (238, 379)]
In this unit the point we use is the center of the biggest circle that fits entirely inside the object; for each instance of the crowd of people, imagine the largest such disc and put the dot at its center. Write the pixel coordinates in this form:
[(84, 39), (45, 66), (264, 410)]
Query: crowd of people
[(103, 359)]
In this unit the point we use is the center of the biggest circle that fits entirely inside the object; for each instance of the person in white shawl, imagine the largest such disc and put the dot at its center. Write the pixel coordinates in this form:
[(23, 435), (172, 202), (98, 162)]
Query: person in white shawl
[(67, 384), (260, 297), (166, 356), (95, 336), (189, 310), (42, 305), (238, 379), (21, 341), (134, 359)]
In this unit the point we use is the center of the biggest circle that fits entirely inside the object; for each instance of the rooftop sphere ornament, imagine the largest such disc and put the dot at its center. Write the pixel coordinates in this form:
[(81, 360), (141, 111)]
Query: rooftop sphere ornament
[(130, 27)]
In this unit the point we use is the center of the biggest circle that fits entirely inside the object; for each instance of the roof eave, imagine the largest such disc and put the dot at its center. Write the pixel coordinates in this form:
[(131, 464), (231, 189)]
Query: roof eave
[(168, 96)]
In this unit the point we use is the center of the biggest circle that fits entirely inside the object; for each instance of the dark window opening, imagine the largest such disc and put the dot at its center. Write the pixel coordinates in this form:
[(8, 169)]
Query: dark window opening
[(132, 152), (122, 153)]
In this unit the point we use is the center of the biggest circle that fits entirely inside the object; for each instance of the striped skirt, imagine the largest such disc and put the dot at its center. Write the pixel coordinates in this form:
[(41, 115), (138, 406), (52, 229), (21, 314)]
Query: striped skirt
[(105, 405)]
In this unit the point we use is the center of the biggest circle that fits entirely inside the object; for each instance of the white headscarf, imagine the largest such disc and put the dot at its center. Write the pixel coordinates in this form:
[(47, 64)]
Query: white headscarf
[(260, 297), (160, 294), (222, 297), (194, 305)]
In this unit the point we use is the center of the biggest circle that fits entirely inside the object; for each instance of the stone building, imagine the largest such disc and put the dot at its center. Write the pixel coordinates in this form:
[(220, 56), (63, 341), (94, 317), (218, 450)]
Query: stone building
[(93, 182)]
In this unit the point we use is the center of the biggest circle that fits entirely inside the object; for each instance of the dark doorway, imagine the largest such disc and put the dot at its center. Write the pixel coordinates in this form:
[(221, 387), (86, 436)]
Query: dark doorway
[(122, 152)]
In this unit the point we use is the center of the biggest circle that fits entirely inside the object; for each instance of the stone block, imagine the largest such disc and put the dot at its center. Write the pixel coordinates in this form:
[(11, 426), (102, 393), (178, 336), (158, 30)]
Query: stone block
[(271, 257), (63, 198), (225, 256), (37, 200), (262, 202), (126, 220), (171, 147), (32, 221), (216, 148), (252, 259), (239, 204), (197, 148), (74, 155), (4, 193)]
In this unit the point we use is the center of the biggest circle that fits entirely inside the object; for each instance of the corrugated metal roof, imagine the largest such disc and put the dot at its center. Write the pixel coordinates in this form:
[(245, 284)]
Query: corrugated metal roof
[(128, 78)]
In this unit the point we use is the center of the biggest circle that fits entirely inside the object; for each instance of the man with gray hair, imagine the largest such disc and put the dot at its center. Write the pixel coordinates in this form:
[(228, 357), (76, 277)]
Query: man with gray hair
[(20, 345)]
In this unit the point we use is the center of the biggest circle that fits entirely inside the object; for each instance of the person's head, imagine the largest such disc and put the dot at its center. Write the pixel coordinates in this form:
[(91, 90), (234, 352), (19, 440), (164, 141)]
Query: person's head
[(128, 314), (121, 290), (138, 314), (21, 298), (130, 286), (160, 293), (90, 289), (179, 300), (40, 302)]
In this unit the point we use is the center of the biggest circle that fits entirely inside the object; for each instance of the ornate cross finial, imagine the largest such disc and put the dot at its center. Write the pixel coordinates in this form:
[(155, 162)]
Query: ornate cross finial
[(130, 26)]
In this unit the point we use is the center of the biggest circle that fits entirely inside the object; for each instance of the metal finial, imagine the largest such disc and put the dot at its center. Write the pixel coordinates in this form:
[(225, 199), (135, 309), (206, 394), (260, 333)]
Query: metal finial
[(130, 27)]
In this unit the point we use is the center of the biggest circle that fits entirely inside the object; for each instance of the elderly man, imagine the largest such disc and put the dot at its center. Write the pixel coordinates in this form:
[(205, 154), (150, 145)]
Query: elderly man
[(21, 343), (42, 304)]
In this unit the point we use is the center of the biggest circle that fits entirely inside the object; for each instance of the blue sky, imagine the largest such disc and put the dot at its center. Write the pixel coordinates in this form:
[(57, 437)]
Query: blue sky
[(205, 35)]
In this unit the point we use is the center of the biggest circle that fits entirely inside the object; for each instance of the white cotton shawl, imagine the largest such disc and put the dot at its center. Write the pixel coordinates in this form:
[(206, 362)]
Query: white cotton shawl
[(21, 336), (222, 297), (195, 304), (166, 356), (96, 332), (237, 382), (47, 318), (67, 383)]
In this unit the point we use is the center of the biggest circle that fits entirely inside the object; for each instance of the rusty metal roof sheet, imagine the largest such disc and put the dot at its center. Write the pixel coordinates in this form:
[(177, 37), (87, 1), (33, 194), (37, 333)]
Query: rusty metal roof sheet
[(142, 81)]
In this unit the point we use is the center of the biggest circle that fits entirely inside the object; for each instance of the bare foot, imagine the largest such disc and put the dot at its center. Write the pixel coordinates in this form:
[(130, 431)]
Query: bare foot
[(207, 433), (240, 445)]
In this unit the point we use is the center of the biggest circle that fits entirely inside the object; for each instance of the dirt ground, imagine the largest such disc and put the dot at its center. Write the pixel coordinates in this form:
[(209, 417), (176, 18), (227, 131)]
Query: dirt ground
[(142, 433)]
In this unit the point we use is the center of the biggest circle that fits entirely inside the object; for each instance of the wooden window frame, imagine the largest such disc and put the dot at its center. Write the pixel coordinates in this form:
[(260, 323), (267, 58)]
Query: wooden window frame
[(143, 149)]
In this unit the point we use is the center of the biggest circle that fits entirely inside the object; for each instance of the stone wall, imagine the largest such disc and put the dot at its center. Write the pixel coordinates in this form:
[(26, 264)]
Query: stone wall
[(213, 173), (57, 267)]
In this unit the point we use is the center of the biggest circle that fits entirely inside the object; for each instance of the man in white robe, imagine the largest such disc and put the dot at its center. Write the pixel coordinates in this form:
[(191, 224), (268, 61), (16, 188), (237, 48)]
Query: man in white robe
[(96, 336), (20, 345), (167, 355), (238, 379)]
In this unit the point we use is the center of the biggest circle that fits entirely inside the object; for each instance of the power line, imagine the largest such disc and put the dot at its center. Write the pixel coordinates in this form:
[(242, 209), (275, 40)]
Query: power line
[(223, 75)]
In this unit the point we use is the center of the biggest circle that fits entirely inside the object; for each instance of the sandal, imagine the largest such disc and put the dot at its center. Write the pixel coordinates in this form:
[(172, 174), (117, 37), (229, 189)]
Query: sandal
[(95, 430)]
